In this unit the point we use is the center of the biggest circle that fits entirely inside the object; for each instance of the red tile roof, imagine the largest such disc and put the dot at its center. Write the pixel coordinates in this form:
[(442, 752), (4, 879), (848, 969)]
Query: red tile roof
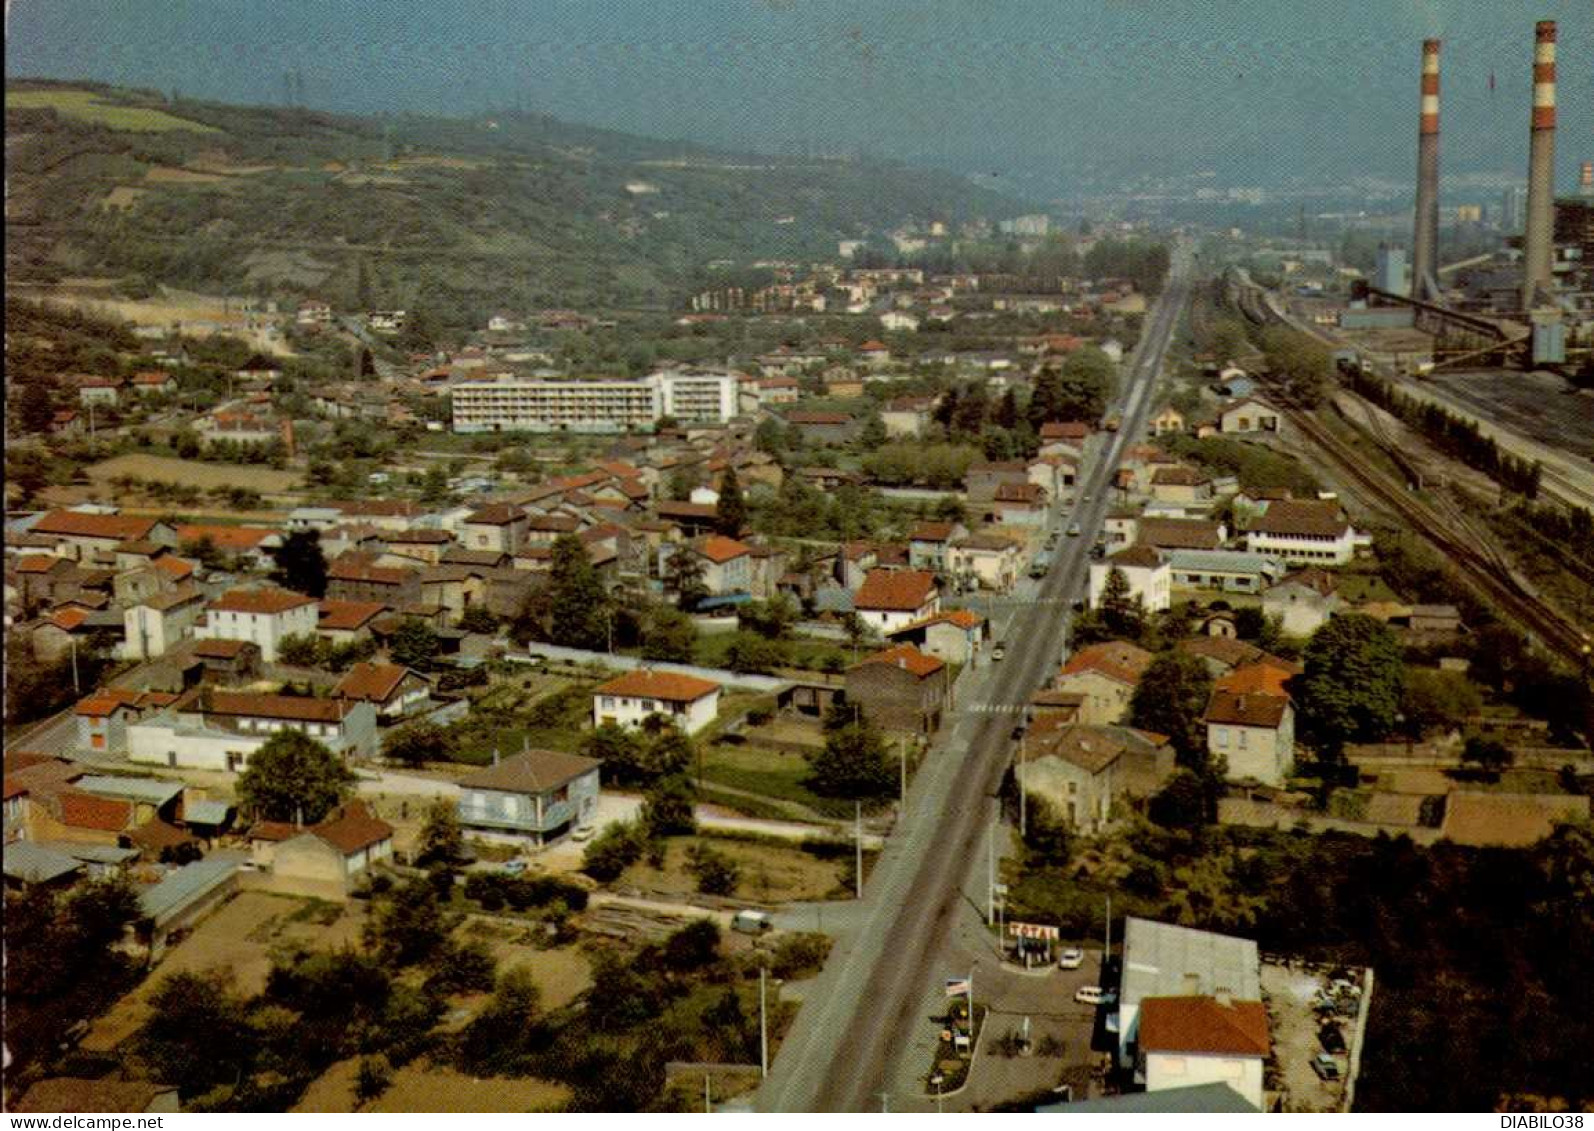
[(353, 828), (346, 616), (290, 708), (932, 532), (1115, 659), (68, 620), (233, 539), (220, 649), (1204, 1026), (906, 657), (1291, 518), (719, 549), (121, 528), (1261, 678), (38, 563), (178, 569), (496, 514), (87, 811), (1247, 710), (900, 590), (647, 683), (1065, 430), (373, 682), (266, 602)]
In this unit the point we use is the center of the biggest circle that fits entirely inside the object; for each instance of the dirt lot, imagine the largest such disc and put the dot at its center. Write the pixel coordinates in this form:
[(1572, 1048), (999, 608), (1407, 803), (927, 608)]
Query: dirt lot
[(1295, 1044), (266, 480), (562, 974), (769, 872), (238, 937), (199, 315), (425, 1087)]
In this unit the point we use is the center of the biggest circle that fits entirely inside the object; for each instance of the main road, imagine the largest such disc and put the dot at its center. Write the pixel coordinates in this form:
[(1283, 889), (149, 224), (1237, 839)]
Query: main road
[(859, 1014)]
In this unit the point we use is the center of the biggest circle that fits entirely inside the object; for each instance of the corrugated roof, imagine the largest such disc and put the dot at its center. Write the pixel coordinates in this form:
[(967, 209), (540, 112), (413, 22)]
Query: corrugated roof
[(1164, 960), (191, 882), (32, 863), (1223, 561), (149, 791)]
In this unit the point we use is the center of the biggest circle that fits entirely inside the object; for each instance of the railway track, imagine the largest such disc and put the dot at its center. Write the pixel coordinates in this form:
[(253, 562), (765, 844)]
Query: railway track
[(1478, 567)]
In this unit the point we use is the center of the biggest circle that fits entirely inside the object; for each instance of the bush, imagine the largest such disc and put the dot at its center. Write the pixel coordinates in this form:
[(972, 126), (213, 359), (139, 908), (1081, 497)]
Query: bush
[(612, 852), (798, 956), (717, 874)]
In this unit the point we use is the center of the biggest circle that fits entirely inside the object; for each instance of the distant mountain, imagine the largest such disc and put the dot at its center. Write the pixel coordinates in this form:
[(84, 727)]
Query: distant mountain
[(462, 216)]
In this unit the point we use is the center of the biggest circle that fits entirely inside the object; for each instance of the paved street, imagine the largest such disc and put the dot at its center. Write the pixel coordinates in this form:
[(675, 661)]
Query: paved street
[(858, 1034)]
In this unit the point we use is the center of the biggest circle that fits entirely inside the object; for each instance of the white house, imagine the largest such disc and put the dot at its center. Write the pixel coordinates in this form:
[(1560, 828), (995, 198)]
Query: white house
[(991, 559), (690, 703), (1250, 723), (153, 625), (899, 321), (263, 617), (1248, 415), (222, 731), (535, 796), (1191, 1040), (1304, 532), (1149, 575), (727, 563), (327, 858), (1303, 600), (891, 598)]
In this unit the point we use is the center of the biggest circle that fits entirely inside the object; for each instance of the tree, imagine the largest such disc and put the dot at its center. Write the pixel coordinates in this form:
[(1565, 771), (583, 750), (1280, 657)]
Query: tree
[(1122, 615), (408, 924), (1171, 699), (1186, 801), (717, 874), (619, 749), (612, 851), (669, 635), (197, 1032), (293, 778), (578, 605), (770, 619), (1046, 833), (750, 652), (1488, 755), (853, 765), (692, 947), (415, 644), (730, 511), (303, 650), (667, 808), (683, 576), (1351, 689), (35, 407), (500, 1039), (1438, 700), (1300, 361), (770, 437), (300, 564), (442, 841), (873, 433), (418, 742)]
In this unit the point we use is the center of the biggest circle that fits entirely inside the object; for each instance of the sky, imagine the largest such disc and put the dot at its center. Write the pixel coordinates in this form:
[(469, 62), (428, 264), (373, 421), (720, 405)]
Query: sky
[(1063, 92)]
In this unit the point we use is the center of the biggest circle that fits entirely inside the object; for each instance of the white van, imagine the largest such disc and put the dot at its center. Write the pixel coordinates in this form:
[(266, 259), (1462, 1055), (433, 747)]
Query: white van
[(751, 922)]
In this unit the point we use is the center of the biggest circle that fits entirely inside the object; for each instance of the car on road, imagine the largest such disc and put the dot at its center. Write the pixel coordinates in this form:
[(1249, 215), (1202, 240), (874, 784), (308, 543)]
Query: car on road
[(1071, 959), (1018, 732), (514, 868), (999, 651), (1095, 995), (583, 833), (1084, 498), (1073, 530), (1326, 1067), (752, 922)]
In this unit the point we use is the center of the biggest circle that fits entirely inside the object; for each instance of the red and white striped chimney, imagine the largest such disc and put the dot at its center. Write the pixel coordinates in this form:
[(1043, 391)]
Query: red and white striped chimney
[(1538, 248), (1585, 179), (1425, 235)]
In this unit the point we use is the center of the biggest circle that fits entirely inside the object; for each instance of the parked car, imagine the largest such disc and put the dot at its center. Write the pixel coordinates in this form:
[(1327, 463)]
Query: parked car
[(1332, 1039), (999, 651), (1073, 530), (583, 833), (751, 922), (1326, 1067), (1071, 959), (514, 868), (1094, 995)]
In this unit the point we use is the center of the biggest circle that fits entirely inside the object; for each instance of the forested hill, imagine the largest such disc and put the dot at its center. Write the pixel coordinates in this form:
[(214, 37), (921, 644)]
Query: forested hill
[(514, 211)]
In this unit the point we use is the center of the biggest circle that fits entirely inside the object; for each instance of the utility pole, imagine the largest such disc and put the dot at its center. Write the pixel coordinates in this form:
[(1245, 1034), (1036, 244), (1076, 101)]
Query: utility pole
[(990, 874), (76, 689), (857, 827), (902, 756), (1023, 794), (708, 1101), (1106, 954), (763, 1025)]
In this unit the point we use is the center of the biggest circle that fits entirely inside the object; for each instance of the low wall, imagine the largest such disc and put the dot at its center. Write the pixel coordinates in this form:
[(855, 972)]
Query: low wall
[(1267, 815)]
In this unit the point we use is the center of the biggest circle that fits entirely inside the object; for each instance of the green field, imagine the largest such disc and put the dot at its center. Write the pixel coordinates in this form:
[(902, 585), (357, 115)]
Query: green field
[(770, 773), (86, 106)]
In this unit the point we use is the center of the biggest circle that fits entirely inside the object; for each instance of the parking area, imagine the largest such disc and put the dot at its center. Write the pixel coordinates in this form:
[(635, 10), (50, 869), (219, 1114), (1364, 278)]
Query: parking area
[(1060, 1031), (1304, 1004)]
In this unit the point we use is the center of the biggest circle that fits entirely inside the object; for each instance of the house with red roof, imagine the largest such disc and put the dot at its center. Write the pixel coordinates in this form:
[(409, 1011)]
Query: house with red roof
[(727, 563), (1106, 674), (1203, 1039), (954, 635), (327, 859), (1250, 722), (991, 561), (92, 538), (497, 526), (891, 598), (1148, 572), (928, 543), (627, 701), (265, 617), (901, 688), (394, 690)]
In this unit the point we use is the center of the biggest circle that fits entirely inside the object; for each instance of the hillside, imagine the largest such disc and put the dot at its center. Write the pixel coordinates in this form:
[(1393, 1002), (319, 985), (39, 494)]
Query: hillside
[(459, 216)]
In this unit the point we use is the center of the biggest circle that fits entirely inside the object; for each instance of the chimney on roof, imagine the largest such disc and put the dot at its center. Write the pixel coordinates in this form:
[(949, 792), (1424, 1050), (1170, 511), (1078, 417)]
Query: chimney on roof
[(1425, 237), (495, 755), (1538, 243), (298, 816), (1224, 998)]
